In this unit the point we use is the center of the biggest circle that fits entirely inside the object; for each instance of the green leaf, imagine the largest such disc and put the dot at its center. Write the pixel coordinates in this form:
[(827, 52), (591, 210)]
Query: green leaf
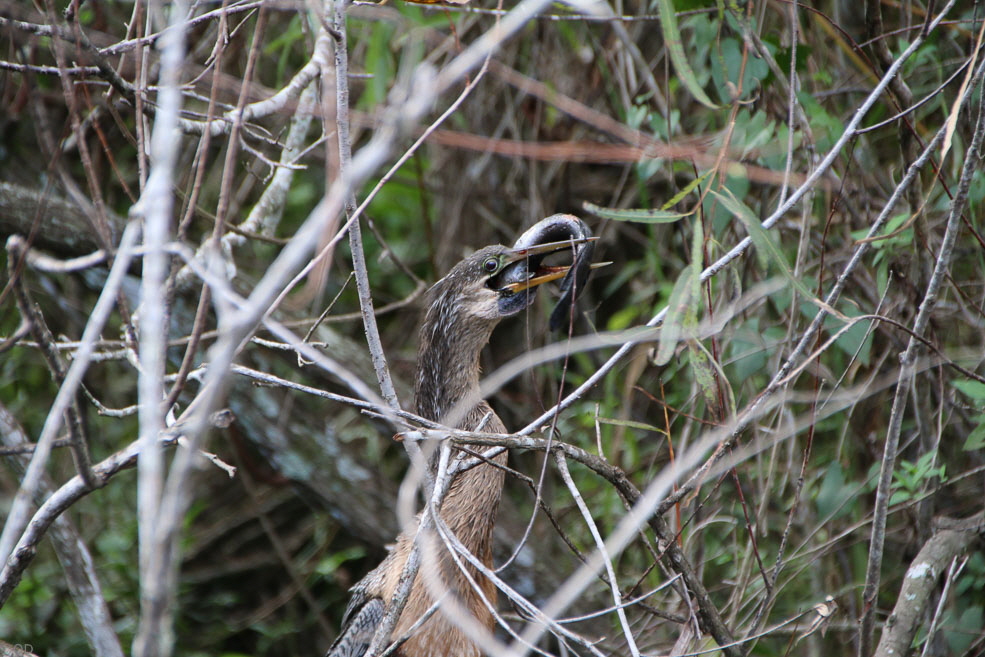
[(379, 60), (962, 632), (679, 196), (623, 318), (854, 340), (704, 373), (680, 299), (973, 389), (975, 439), (746, 351), (899, 497), (834, 492), (697, 265), (734, 74), (642, 426), (672, 38), (331, 563), (638, 216), (762, 240)]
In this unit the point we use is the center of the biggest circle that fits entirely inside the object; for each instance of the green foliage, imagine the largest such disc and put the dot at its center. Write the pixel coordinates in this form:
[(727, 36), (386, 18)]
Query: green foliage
[(748, 351), (834, 493), (719, 101), (910, 480), (679, 307), (331, 563), (825, 127), (973, 577), (782, 55), (734, 67), (672, 40), (720, 216), (961, 632), (766, 249), (854, 338), (380, 62), (284, 47), (638, 216), (756, 134), (898, 234), (976, 438), (974, 390)]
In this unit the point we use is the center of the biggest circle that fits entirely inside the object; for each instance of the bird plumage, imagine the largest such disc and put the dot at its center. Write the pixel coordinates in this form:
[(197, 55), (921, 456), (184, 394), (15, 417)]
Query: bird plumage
[(463, 308)]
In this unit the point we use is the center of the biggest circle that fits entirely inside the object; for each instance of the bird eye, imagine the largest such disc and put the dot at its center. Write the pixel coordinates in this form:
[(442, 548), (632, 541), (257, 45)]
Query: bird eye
[(491, 265)]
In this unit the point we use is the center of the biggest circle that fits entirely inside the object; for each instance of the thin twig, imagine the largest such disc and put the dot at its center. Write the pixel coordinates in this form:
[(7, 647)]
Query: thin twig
[(586, 514), (355, 232), (154, 635), (31, 313), (17, 516), (72, 552), (906, 375)]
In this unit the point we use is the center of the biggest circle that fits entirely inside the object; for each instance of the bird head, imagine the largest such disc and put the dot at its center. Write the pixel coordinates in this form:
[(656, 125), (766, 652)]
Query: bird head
[(498, 281), (493, 283)]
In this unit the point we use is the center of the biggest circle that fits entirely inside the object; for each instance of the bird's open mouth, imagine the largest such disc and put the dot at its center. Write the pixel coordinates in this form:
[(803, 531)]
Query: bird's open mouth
[(527, 268)]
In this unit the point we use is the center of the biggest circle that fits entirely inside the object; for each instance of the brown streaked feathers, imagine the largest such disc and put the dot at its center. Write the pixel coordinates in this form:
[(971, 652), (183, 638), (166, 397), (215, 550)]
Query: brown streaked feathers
[(463, 308)]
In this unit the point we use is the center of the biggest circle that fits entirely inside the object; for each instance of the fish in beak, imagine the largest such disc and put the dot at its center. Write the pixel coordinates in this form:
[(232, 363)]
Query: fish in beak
[(560, 232)]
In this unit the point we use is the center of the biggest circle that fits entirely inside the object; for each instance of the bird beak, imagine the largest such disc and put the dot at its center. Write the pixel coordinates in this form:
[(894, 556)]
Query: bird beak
[(555, 233), (544, 273)]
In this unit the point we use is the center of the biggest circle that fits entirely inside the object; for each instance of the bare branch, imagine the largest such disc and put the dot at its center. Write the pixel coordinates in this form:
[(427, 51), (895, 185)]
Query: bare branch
[(75, 557), (906, 375), (31, 313), (154, 633), (562, 465), (355, 232), (17, 517), (920, 581)]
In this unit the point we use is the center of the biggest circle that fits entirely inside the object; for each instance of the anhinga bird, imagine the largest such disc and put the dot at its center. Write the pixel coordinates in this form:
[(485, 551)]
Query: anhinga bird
[(462, 310)]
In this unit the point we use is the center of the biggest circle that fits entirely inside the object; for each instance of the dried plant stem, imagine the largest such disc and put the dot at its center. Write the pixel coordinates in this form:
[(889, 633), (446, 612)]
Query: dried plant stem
[(30, 312), (562, 466), (154, 636), (74, 556), (906, 374), (355, 231), (17, 517)]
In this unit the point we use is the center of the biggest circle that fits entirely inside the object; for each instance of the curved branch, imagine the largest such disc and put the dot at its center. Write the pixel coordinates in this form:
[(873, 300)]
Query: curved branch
[(920, 581)]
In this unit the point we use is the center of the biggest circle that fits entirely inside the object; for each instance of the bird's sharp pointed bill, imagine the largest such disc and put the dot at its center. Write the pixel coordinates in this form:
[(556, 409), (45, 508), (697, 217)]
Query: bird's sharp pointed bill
[(550, 247), (543, 273)]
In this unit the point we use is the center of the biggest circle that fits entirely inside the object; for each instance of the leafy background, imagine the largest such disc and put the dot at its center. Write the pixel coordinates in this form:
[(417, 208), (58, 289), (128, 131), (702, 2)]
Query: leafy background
[(267, 556)]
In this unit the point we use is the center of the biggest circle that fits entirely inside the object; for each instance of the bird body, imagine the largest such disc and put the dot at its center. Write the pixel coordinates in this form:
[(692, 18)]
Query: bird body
[(471, 518), (463, 308)]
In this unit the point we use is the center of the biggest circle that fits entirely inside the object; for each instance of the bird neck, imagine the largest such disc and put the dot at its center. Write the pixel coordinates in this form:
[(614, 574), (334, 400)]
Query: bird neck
[(448, 367), (472, 503)]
